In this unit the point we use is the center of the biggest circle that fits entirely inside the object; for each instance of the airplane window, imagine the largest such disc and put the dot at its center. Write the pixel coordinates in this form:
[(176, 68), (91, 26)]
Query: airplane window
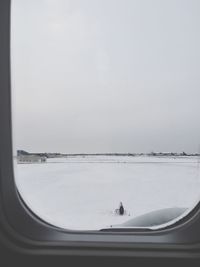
[(105, 101)]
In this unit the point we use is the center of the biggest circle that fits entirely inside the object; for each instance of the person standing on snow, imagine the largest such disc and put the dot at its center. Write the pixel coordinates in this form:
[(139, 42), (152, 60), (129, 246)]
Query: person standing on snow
[(121, 209)]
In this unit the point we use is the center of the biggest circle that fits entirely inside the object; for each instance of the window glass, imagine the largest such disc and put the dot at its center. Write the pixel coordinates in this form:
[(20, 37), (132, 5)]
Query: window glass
[(106, 110)]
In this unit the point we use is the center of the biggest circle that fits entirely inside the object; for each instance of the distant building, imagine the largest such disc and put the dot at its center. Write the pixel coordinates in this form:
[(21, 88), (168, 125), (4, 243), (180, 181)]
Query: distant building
[(30, 159), (22, 152)]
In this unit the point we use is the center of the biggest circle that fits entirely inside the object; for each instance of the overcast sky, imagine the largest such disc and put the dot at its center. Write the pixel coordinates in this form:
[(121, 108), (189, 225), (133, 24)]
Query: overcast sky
[(106, 75)]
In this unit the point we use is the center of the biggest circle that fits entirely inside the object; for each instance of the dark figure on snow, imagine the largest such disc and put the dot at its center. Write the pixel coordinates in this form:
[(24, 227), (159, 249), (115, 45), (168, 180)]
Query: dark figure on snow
[(121, 209)]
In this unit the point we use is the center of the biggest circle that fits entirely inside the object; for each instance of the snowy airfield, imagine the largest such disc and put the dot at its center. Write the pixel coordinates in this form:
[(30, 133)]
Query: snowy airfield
[(82, 192)]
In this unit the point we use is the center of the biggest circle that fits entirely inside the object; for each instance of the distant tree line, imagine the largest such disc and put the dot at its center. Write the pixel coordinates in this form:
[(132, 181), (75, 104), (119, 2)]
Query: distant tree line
[(59, 155)]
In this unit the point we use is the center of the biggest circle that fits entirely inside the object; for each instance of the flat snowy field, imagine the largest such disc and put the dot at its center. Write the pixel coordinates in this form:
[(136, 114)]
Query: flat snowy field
[(81, 193)]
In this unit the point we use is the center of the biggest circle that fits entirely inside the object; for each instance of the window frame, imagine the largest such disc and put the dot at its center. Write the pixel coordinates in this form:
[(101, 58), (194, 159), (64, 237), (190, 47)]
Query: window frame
[(27, 233)]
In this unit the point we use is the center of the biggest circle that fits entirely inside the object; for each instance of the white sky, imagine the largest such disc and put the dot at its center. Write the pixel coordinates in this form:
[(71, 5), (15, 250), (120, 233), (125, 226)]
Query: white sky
[(106, 75)]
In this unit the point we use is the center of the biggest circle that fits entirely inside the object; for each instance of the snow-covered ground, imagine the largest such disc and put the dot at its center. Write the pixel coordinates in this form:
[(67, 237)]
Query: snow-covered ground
[(81, 193)]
